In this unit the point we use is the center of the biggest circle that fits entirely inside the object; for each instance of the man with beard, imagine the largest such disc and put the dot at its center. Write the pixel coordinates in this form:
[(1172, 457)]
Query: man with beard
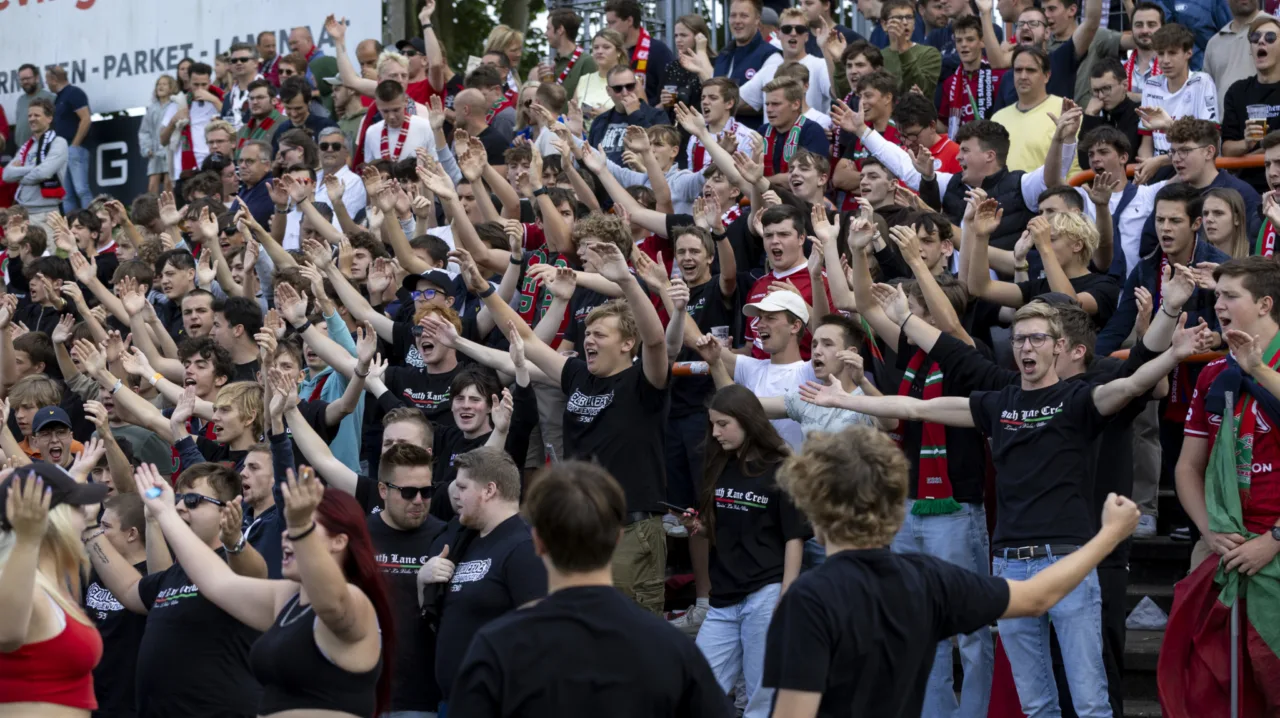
[(32, 89), (1142, 63)]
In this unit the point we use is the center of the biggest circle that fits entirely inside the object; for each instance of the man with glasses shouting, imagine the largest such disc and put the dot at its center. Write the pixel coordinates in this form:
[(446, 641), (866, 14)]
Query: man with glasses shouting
[(1042, 432), (194, 657)]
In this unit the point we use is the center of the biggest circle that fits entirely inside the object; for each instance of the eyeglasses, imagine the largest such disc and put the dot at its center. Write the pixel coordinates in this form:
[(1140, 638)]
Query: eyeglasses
[(1179, 153), (793, 29), (1037, 340), (1103, 90), (1033, 23), (1258, 37), (240, 60), (903, 18), (61, 433), (193, 500), (409, 493), (247, 161), (331, 146), (424, 294), (619, 89)]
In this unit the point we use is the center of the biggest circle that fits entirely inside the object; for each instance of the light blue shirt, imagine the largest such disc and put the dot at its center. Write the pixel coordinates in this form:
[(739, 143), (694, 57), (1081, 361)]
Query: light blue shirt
[(346, 444)]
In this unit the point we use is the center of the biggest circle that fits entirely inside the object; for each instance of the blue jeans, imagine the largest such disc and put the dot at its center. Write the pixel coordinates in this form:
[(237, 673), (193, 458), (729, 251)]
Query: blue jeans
[(1077, 619), (733, 638), (76, 183), (959, 538)]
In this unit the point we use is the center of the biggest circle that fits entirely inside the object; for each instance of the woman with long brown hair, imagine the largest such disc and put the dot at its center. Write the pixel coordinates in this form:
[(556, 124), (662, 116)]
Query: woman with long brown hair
[(757, 539), (1225, 221), (696, 58)]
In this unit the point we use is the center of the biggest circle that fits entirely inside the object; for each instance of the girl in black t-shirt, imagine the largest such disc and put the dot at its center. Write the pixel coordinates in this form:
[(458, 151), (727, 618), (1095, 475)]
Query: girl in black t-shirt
[(757, 538)]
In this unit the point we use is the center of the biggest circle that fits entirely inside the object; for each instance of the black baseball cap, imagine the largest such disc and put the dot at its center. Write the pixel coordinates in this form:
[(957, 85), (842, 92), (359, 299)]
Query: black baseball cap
[(416, 43), (65, 489), (438, 277)]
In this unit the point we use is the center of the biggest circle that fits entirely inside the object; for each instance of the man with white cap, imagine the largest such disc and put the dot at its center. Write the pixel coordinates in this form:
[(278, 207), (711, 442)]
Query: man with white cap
[(781, 318)]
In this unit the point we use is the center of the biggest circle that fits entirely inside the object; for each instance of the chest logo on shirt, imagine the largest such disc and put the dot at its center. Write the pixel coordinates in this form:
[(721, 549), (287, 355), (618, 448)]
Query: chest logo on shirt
[(585, 407), (1017, 420), (740, 500), (394, 563), (470, 572), (427, 400), (750, 74), (613, 135), (170, 597), (1262, 427), (101, 600)]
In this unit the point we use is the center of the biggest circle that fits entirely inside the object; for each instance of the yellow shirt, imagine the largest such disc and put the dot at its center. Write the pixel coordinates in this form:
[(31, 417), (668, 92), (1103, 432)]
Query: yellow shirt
[(1030, 133)]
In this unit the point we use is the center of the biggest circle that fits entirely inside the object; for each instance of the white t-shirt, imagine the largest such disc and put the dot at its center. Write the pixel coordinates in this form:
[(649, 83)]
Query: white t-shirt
[(420, 135), (201, 114), (1197, 98), (818, 96), (764, 378)]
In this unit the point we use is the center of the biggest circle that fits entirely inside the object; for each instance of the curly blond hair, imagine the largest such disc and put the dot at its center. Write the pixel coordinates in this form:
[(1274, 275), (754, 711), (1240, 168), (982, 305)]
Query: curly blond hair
[(1075, 227), (852, 485)]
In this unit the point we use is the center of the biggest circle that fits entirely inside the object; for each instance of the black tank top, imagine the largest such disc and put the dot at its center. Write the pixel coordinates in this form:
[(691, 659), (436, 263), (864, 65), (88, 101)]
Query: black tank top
[(295, 674)]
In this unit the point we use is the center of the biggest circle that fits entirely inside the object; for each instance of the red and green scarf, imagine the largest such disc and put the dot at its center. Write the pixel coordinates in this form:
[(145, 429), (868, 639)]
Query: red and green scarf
[(260, 128), (933, 483)]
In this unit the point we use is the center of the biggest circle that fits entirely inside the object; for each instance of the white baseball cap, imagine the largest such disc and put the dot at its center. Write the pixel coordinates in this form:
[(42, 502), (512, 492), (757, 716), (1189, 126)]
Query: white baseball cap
[(779, 301)]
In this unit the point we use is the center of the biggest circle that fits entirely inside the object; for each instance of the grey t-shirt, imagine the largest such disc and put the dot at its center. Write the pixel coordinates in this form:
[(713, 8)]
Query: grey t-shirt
[(812, 417)]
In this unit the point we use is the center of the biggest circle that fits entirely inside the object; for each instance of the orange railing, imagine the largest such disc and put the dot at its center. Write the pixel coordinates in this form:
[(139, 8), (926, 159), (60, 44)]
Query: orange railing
[(1193, 359), (1222, 163)]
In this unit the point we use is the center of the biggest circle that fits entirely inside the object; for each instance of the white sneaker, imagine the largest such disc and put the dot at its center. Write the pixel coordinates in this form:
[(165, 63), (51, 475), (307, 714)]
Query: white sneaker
[(1146, 527), (690, 621), (673, 527)]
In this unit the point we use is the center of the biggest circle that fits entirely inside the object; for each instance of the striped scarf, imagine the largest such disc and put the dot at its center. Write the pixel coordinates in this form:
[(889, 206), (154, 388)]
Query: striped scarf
[(933, 483)]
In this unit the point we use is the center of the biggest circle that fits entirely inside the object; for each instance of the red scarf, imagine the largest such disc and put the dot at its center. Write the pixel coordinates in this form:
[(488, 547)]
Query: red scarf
[(1132, 63), (404, 135), (577, 52), (835, 131), (933, 483), (357, 157), (257, 129), (52, 187), (699, 161), (500, 106), (976, 105), (640, 56), (789, 147), (1265, 245), (189, 163)]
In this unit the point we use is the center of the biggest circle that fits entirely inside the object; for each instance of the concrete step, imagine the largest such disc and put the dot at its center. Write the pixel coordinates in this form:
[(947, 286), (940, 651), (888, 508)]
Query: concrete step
[(1159, 561), (1161, 593), (1142, 651), (1142, 709)]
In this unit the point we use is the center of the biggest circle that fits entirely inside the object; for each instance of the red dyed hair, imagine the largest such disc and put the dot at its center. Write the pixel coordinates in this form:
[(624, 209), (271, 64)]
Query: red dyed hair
[(339, 513)]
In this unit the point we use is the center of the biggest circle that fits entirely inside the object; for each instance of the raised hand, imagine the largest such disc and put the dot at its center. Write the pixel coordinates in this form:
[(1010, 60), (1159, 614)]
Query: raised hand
[(91, 360), (893, 301), (690, 119), (115, 346), (292, 306), (1191, 340), (821, 394), (439, 331), (923, 161), (186, 407), (27, 507), (1178, 285), (230, 520), (1104, 185), (848, 119), (517, 348), (908, 243), (861, 233), (135, 363), (562, 283), (62, 332), (501, 412), (1155, 118), (366, 343), (302, 494), (709, 348), (1245, 348), (679, 293), (822, 227), (987, 218), (475, 281), (169, 214)]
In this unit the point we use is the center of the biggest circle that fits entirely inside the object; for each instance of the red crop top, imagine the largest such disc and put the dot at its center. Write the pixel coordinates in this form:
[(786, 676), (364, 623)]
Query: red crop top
[(58, 670)]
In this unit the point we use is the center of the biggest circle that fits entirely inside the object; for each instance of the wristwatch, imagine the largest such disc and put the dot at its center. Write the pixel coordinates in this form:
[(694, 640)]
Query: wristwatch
[(1275, 532), (238, 547)]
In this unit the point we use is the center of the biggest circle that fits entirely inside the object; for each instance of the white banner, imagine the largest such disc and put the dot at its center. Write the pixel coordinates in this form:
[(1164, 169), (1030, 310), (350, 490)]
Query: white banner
[(115, 50)]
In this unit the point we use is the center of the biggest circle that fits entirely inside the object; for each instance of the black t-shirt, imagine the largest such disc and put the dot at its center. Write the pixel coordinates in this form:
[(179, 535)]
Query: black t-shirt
[(403, 345), (585, 651), (617, 421), (399, 555), (754, 520), (966, 451), (448, 443), (246, 372), (495, 146), (424, 390), (1240, 97), (194, 657), (121, 629), (497, 574), (1104, 289), (862, 629), (1041, 443), (707, 308)]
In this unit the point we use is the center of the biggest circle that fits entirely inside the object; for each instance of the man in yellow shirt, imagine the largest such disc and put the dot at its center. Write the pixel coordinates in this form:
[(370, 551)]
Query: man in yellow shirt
[(1031, 121)]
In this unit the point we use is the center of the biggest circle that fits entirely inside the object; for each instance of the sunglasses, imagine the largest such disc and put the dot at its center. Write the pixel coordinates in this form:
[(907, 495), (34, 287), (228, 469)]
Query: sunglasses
[(239, 60), (1258, 37), (331, 146), (409, 493), (793, 29), (629, 87), (409, 52), (230, 231), (424, 294), (193, 500)]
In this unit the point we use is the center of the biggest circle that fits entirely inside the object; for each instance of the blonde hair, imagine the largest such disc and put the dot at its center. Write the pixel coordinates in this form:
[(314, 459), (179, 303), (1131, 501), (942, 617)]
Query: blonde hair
[(620, 310), (852, 485), (219, 124), (503, 37), (1041, 310), (62, 541), (613, 38), (173, 87), (1074, 227), (391, 56), (246, 398)]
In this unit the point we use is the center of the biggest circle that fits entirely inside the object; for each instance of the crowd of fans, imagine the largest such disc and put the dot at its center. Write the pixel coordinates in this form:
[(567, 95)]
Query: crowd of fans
[(438, 359)]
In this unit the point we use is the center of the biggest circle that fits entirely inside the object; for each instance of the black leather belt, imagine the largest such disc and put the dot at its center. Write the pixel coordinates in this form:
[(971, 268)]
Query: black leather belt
[(1026, 553), (638, 516)]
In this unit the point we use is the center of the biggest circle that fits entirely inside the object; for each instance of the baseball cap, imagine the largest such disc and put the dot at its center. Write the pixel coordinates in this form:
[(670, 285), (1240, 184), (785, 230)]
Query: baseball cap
[(416, 43), (49, 415), (779, 301), (335, 80), (438, 277), (63, 487), (768, 16)]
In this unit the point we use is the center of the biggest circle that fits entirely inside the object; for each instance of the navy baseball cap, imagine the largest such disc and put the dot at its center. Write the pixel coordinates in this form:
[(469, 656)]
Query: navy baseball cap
[(49, 415)]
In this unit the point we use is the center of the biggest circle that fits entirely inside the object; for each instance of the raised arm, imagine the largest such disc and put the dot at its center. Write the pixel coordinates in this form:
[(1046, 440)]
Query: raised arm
[(317, 453), (1006, 294), (997, 54), (337, 29), (693, 123), (1082, 38), (948, 410), (27, 509), (1111, 397), (138, 411), (941, 311), (250, 600), (653, 353), (861, 234), (652, 220)]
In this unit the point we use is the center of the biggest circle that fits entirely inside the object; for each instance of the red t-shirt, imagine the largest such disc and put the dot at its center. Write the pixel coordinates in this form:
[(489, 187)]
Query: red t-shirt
[(799, 278), (1261, 503), (954, 96), (946, 156)]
